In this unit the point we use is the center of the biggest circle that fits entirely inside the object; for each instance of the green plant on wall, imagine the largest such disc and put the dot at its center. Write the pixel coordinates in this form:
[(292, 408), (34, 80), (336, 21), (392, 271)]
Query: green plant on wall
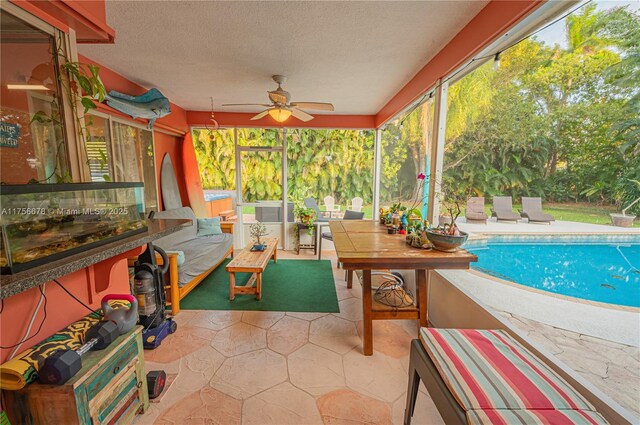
[(81, 84)]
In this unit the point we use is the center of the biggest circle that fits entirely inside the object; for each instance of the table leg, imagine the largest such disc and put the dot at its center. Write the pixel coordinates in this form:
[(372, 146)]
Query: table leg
[(422, 286), (349, 273), (367, 326), (315, 236), (232, 285), (258, 286)]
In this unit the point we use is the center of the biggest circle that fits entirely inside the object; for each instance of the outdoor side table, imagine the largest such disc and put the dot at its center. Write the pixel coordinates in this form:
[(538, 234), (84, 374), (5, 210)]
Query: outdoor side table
[(312, 245)]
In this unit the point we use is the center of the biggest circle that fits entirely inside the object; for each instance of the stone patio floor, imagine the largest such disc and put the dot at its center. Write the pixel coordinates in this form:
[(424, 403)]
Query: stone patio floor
[(613, 368), (255, 367)]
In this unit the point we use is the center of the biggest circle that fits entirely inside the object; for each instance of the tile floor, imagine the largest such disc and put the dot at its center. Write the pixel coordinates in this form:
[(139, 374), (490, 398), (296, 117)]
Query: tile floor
[(296, 368), (238, 367)]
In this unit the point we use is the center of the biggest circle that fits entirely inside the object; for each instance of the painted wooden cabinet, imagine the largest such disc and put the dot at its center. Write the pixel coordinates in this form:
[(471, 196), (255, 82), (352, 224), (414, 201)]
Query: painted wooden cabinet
[(111, 388)]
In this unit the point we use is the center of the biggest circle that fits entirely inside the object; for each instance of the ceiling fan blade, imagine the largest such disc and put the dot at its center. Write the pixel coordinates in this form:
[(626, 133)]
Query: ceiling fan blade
[(301, 115), (260, 115), (247, 104), (319, 106)]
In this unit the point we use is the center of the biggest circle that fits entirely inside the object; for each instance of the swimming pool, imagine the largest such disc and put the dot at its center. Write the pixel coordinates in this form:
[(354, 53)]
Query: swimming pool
[(604, 272)]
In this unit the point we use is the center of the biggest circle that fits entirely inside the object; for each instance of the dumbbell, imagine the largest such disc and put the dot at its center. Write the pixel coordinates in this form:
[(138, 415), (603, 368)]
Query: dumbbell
[(62, 365)]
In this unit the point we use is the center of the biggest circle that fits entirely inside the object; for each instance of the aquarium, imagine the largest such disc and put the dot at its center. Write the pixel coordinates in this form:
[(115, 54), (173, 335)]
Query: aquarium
[(40, 223)]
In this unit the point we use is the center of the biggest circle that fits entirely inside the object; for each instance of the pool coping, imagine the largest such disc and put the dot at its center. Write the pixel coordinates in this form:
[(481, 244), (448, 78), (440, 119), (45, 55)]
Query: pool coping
[(618, 325), (553, 294)]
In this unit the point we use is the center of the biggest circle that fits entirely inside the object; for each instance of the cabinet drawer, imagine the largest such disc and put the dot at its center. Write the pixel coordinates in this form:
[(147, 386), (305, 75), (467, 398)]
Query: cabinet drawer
[(110, 370), (124, 397)]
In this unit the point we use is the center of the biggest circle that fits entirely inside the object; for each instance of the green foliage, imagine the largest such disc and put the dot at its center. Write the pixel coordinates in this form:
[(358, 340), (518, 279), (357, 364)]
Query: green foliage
[(553, 122), (404, 144), (319, 163)]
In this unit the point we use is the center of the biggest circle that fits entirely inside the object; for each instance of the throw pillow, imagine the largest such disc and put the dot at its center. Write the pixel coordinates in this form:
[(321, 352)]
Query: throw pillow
[(180, 255), (209, 226)]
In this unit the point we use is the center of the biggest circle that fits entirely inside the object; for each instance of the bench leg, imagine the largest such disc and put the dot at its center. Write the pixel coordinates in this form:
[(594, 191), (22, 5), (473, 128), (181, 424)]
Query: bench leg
[(412, 394), (232, 285), (258, 286)]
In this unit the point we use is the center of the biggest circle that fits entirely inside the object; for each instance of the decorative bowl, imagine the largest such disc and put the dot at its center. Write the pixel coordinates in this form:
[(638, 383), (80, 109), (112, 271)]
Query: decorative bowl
[(446, 243)]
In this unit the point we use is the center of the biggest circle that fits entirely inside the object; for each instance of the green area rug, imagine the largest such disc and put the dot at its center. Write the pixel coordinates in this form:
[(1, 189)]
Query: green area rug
[(289, 285)]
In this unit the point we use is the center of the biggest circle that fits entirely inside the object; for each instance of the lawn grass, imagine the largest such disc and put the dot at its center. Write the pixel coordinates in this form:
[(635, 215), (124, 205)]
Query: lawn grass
[(581, 213)]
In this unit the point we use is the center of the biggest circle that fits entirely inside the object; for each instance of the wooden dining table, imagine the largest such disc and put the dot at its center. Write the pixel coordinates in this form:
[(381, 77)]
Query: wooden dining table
[(366, 245)]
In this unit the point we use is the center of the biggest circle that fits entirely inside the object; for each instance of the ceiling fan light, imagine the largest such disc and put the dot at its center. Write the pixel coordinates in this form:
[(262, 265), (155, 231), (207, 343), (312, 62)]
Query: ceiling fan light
[(280, 114)]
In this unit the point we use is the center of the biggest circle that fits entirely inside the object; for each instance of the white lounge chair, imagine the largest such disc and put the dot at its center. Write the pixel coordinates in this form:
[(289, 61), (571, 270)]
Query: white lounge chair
[(330, 205), (356, 204)]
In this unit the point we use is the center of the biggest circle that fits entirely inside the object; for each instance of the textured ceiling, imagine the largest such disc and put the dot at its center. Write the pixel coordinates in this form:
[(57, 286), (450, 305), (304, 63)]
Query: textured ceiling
[(356, 55)]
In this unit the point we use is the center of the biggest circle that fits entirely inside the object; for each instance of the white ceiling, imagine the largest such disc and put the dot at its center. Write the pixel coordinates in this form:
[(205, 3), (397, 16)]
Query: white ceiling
[(356, 55)]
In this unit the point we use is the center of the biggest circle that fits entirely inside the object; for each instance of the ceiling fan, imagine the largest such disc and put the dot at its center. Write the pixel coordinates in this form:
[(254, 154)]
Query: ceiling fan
[(281, 108)]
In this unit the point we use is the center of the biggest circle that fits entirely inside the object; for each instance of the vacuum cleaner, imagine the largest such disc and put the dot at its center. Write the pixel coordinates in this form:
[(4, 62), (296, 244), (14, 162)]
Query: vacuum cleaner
[(149, 291)]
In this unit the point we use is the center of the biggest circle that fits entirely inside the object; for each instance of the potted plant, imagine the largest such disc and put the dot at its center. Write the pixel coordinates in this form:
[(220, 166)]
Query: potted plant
[(306, 216), (258, 230), (624, 220), (448, 237)]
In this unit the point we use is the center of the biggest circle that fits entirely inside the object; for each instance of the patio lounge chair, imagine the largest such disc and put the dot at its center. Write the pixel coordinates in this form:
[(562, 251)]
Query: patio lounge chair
[(311, 203), (503, 209), (532, 210), (475, 210)]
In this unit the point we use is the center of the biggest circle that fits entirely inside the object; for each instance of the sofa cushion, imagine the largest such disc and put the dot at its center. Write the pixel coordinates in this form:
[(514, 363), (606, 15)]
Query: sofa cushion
[(209, 226), (187, 233), (490, 373), (201, 254)]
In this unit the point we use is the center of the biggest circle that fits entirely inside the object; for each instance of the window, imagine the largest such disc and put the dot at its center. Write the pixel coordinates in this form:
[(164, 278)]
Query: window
[(215, 154), (32, 140), (336, 163), (121, 152), (98, 152), (405, 144)]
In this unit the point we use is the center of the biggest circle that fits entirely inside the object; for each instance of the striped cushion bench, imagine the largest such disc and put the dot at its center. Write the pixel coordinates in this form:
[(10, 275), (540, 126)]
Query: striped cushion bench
[(494, 379)]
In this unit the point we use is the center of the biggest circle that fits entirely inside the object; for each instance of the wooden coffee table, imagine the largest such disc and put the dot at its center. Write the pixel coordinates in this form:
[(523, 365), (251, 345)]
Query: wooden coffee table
[(255, 262)]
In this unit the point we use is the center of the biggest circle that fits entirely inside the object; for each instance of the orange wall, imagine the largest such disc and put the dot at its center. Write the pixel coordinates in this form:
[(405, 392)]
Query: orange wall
[(61, 308), (175, 123), (86, 17), (166, 144)]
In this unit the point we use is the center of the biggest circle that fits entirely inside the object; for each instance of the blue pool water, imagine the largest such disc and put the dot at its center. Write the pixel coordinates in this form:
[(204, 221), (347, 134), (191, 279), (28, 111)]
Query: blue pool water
[(608, 273)]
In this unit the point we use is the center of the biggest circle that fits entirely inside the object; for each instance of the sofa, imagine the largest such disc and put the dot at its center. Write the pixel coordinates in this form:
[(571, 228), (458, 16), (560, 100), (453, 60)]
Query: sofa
[(202, 254)]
